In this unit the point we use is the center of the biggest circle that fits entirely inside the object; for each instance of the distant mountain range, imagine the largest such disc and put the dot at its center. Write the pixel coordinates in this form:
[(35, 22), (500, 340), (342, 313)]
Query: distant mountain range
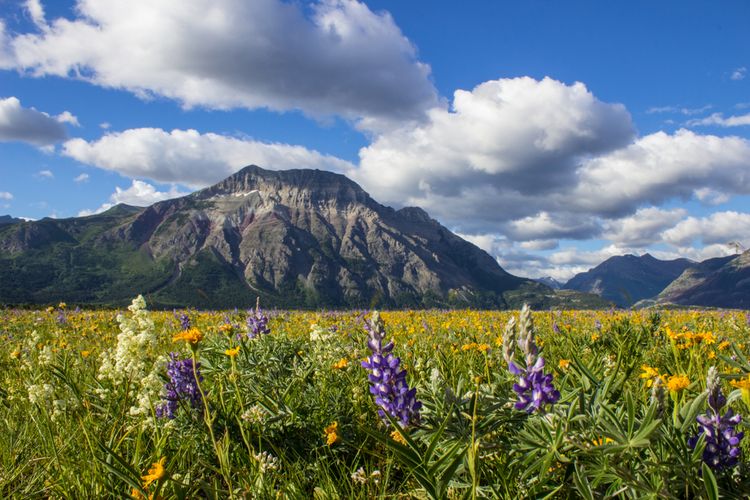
[(296, 238), (624, 280), (550, 282), (644, 281)]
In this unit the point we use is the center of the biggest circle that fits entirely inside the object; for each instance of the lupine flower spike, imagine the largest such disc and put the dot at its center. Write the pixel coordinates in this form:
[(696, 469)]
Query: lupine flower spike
[(182, 386), (387, 382), (722, 449), (534, 388), (257, 322)]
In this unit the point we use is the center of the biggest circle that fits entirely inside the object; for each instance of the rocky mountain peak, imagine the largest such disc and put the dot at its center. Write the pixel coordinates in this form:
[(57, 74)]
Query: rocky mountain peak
[(291, 187)]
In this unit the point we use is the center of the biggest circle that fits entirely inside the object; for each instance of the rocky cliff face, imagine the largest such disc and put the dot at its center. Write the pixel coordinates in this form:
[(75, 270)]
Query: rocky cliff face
[(296, 238)]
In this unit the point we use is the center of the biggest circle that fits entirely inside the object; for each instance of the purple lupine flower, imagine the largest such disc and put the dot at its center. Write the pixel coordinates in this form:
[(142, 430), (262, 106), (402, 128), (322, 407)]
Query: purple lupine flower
[(61, 318), (534, 388), (182, 386), (184, 321), (388, 383), (257, 323), (722, 449)]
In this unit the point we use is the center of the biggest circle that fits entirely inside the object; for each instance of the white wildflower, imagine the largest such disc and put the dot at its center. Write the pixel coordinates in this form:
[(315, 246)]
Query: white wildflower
[(266, 462)]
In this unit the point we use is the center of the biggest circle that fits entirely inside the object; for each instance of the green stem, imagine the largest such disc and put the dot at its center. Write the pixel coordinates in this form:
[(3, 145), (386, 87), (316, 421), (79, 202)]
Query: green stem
[(208, 419)]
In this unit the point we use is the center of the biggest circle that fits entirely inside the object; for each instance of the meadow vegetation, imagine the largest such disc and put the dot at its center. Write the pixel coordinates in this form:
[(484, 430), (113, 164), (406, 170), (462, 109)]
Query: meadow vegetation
[(411, 404)]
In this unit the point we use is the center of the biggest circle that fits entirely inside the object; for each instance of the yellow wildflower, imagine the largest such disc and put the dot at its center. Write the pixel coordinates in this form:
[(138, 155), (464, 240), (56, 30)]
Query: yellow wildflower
[(724, 344), (564, 364), (232, 352), (744, 386), (649, 373), (155, 473), (677, 383), (62, 305), (331, 433), (226, 328), (340, 364), (191, 336), (50, 309), (85, 354), (16, 354), (601, 441), (743, 383), (396, 436)]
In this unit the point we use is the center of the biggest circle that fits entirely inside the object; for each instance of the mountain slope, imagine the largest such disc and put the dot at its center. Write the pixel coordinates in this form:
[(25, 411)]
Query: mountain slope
[(627, 279), (297, 238), (719, 282)]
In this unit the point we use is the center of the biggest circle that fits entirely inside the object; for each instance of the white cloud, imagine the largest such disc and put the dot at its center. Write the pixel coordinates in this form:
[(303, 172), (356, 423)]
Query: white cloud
[(190, 158), (81, 178), (544, 226), (660, 167), (717, 228), (45, 174), (139, 194), (718, 119), (5, 195), (331, 57), (29, 125), (644, 227), (678, 110), (739, 74), (541, 160), (69, 118), (503, 146), (36, 12), (105, 125), (710, 196)]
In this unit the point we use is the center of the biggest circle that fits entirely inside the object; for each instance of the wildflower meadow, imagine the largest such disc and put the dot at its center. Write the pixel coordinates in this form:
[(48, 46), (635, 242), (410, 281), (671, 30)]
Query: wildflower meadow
[(363, 404)]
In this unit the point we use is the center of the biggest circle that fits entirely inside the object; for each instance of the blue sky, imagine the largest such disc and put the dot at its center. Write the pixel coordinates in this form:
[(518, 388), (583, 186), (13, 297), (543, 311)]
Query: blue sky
[(552, 134)]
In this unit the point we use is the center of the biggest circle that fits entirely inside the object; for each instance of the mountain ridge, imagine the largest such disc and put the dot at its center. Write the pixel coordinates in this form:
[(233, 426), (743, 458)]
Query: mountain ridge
[(627, 279), (296, 238)]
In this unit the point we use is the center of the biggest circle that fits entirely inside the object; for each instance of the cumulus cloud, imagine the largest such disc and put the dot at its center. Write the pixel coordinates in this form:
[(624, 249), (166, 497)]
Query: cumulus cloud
[(660, 167), (719, 120), (29, 125), (516, 134), (81, 178), (45, 174), (139, 194), (542, 160), (5, 195), (334, 57), (644, 227), (717, 228), (739, 74), (190, 158)]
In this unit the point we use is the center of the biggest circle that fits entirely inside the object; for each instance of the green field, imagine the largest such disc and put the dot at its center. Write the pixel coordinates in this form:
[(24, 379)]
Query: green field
[(94, 405)]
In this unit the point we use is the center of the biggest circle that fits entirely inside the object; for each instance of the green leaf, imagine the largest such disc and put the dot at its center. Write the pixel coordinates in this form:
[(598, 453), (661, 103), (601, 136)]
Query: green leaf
[(709, 481), (689, 411)]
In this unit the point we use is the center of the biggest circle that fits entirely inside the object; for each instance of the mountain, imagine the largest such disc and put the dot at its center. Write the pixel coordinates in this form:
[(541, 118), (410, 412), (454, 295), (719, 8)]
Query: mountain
[(719, 282), (550, 282), (7, 219), (624, 280), (296, 238)]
